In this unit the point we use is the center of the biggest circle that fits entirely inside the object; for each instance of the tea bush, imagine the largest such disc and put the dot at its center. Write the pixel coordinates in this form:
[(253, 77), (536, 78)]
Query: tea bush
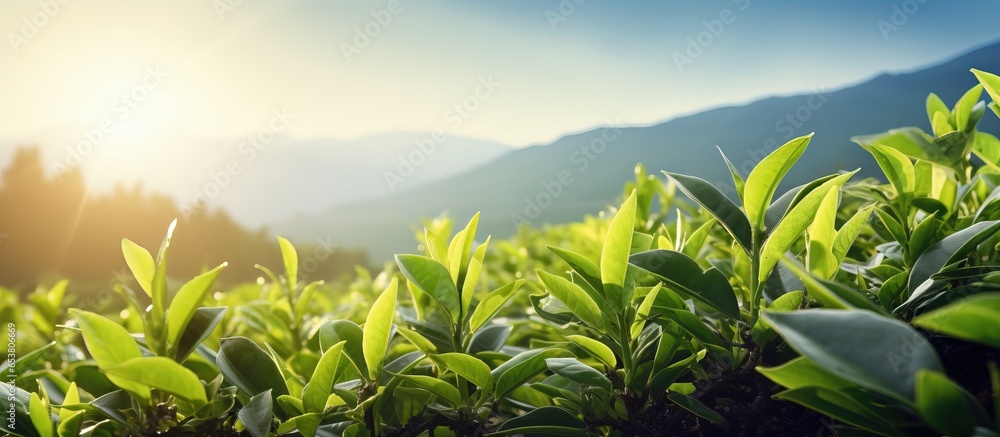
[(846, 307)]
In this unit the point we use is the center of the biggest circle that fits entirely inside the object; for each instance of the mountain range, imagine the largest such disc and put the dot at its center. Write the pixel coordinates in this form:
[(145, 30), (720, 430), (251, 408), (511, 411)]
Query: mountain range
[(583, 173), (272, 180)]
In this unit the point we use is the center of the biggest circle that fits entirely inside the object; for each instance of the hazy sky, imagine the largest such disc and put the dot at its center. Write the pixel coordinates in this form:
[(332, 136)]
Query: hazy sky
[(522, 72)]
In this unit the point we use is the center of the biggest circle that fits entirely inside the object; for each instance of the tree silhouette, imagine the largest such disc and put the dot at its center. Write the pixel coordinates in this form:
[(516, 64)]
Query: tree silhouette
[(50, 227)]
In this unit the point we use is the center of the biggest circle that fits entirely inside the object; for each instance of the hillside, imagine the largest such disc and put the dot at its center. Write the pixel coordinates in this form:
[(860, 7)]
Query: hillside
[(687, 144)]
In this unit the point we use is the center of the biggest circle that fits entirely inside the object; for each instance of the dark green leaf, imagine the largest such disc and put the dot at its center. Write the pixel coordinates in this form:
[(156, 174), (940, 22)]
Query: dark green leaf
[(683, 275), (695, 406), (949, 250), (878, 353), (434, 279), (249, 368), (551, 421), (717, 204), (574, 370), (256, 415)]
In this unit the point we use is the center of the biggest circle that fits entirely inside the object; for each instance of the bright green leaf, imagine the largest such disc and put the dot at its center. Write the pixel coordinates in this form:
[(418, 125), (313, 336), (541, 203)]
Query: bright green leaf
[(466, 366), (163, 374), (318, 389), (573, 296), (140, 262), (378, 327), (765, 177), (186, 303)]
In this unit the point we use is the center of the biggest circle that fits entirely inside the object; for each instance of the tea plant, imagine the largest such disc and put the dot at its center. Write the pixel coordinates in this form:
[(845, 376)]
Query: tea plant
[(860, 307)]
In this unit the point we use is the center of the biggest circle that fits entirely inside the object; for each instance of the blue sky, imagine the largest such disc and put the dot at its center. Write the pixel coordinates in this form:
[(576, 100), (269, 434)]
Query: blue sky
[(521, 72)]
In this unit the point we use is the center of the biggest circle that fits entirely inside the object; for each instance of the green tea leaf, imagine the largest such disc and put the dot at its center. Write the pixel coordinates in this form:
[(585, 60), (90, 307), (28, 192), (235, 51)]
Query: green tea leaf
[(257, 415), (878, 353), (577, 300), (548, 421), (335, 331), (849, 232), (596, 349), (491, 304), (790, 228), (378, 327), (642, 312), (696, 407), (472, 275), (946, 405), (186, 302), (892, 225), (896, 166), (305, 424), (40, 418), (155, 329), (24, 362), (573, 370), (201, 325), (975, 318), (140, 262), (460, 249), (834, 295), (683, 275), (418, 340), (437, 247), (163, 374), (290, 259), (444, 391), (614, 255), (936, 105), (432, 278), (318, 389), (822, 231), (923, 235), (521, 368), (738, 181), (717, 204), (990, 82), (110, 344), (249, 368), (963, 108), (583, 266), (765, 177), (466, 366), (911, 141), (802, 372), (839, 406), (949, 250)]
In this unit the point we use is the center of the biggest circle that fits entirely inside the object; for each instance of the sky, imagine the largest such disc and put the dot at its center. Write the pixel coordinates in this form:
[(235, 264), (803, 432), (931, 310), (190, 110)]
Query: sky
[(518, 72)]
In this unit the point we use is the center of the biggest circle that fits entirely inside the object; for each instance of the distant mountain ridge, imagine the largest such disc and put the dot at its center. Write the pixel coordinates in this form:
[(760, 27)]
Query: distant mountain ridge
[(587, 169), (276, 179)]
